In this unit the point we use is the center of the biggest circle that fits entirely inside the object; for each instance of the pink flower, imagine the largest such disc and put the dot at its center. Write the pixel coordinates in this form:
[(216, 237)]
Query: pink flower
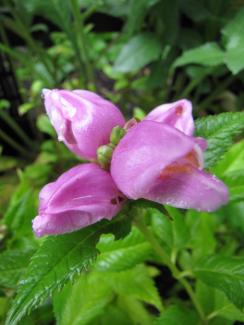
[(157, 159), (78, 198), (82, 119), (160, 161)]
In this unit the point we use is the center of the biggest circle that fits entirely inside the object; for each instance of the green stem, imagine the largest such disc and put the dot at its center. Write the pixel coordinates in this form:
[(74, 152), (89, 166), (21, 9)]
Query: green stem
[(79, 42), (11, 122), (149, 236)]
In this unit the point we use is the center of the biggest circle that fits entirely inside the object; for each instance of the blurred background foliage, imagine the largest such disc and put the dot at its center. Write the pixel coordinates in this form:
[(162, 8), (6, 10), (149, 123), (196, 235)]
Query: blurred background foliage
[(138, 54)]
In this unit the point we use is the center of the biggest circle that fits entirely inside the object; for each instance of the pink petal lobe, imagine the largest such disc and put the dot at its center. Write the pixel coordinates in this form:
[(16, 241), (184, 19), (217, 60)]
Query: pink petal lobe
[(194, 189), (81, 196), (177, 114)]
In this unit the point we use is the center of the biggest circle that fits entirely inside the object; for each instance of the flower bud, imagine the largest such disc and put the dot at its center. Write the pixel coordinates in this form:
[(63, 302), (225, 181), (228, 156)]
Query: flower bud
[(117, 134), (104, 155), (82, 119), (80, 197)]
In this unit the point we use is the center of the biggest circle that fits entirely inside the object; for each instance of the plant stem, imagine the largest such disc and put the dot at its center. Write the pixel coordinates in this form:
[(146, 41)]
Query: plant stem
[(79, 42), (149, 236)]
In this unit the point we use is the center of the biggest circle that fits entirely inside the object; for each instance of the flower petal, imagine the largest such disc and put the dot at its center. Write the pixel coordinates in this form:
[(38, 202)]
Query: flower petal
[(83, 120), (82, 196), (143, 152), (177, 114), (188, 190)]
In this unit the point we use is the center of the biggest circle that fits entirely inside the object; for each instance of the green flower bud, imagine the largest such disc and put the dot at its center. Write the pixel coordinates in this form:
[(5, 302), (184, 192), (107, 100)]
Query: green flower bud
[(117, 134), (104, 155)]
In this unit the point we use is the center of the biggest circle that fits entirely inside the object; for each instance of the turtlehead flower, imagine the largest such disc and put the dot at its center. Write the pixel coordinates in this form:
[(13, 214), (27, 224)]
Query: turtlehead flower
[(157, 159), (78, 198), (82, 119)]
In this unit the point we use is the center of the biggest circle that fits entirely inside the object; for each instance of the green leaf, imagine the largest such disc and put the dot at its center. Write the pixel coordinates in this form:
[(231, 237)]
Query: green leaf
[(216, 304), (4, 104), (44, 125), (122, 254), (225, 309), (220, 131), (7, 163), (223, 273), (136, 283), (208, 54), (235, 182), (141, 50), (234, 38), (26, 107), (232, 161), (12, 265), (174, 233), (201, 226), (82, 301), (136, 14), (177, 314), (56, 262), (180, 230), (113, 314), (234, 216), (231, 170), (89, 297), (22, 209)]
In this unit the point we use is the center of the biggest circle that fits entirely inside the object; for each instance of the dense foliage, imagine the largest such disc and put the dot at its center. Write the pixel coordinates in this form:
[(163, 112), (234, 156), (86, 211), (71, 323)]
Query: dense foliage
[(150, 264)]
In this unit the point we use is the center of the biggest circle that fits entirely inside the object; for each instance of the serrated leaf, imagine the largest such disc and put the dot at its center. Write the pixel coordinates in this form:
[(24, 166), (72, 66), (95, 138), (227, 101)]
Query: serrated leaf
[(122, 254), (208, 54), (141, 50), (223, 273), (177, 314), (219, 131), (90, 296), (56, 262), (12, 265)]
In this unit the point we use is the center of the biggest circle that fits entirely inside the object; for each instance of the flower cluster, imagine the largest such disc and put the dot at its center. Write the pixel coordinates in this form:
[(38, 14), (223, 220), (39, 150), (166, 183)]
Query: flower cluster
[(157, 159)]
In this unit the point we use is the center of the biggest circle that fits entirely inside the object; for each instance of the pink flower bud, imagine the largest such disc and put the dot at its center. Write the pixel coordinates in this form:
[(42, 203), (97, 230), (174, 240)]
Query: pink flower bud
[(82, 119), (78, 198)]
